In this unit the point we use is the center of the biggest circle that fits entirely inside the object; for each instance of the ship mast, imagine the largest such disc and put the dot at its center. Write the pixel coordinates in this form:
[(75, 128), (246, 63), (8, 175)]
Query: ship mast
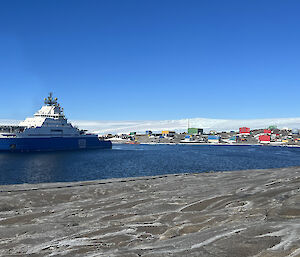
[(50, 101)]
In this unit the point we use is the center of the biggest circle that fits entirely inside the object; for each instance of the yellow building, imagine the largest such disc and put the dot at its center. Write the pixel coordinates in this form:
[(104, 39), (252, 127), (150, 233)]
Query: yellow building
[(167, 133)]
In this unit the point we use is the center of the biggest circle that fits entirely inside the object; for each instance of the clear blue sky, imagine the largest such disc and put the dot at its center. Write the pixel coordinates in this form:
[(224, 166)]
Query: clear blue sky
[(155, 59)]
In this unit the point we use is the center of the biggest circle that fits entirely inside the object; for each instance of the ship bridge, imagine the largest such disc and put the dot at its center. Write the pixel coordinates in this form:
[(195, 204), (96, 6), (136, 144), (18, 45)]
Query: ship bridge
[(51, 114), (51, 109)]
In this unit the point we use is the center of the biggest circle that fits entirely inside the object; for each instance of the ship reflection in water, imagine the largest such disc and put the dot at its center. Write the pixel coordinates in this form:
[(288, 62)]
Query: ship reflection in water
[(139, 160)]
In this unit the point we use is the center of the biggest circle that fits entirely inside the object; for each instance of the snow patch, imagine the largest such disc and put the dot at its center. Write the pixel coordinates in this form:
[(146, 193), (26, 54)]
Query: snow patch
[(289, 235), (215, 238)]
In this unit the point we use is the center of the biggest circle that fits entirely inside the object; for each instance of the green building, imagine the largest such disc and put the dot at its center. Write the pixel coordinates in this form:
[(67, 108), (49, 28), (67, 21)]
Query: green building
[(272, 127), (195, 131)]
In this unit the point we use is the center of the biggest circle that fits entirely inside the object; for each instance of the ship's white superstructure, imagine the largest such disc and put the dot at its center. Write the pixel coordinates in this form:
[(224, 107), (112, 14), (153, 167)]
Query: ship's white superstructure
[(49, 121)]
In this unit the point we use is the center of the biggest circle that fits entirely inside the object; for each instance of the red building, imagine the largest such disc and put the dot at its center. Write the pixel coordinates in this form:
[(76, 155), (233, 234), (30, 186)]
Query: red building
[(264, 138), (267, 131), (245, 130)]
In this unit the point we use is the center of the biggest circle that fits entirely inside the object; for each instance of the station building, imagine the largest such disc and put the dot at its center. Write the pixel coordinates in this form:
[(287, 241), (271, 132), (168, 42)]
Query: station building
[(168, 133), (213, 139), (244, 131), (195, 131), (264, 139)]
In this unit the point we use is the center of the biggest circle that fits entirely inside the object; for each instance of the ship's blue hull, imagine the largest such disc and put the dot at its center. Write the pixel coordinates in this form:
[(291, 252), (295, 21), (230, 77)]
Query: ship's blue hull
[(52, 144)]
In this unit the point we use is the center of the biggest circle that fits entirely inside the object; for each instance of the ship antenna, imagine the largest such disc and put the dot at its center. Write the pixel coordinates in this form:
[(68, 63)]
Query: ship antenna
[(49, 100)]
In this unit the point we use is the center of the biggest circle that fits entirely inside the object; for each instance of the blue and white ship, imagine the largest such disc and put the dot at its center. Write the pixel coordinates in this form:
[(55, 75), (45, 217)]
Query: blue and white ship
[(48, 130)]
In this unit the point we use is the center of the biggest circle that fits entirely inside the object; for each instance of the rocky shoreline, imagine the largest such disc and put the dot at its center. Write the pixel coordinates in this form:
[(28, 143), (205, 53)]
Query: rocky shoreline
[(238, 213)]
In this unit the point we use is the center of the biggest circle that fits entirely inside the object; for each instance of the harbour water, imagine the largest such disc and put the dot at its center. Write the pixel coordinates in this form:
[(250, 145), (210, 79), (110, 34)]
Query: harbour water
[(139, 160)]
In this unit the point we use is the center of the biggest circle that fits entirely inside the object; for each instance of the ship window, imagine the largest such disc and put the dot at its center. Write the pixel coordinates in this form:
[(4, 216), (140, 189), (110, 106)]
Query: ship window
[(56, 130)]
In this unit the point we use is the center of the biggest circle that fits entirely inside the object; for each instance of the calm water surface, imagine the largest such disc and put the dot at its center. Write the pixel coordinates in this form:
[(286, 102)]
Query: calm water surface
[(139, 160)]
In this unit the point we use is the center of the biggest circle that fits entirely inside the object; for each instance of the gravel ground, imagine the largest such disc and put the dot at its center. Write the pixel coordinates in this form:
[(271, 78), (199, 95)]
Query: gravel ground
[(240, 213)]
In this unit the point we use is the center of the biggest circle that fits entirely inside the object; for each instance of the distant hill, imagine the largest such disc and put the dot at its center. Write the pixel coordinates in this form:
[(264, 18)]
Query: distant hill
[(115, 127)]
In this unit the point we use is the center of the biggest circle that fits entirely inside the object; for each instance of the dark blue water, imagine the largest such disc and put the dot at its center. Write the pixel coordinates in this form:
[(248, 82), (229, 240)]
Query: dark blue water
[(139, 160)]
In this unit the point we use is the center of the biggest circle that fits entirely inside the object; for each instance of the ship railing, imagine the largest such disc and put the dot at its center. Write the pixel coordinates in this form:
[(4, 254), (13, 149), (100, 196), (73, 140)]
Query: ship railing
[(11, 129)]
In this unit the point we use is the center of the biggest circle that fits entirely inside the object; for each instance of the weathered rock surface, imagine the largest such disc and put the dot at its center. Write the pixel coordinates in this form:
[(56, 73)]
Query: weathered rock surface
[(240, 213)]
